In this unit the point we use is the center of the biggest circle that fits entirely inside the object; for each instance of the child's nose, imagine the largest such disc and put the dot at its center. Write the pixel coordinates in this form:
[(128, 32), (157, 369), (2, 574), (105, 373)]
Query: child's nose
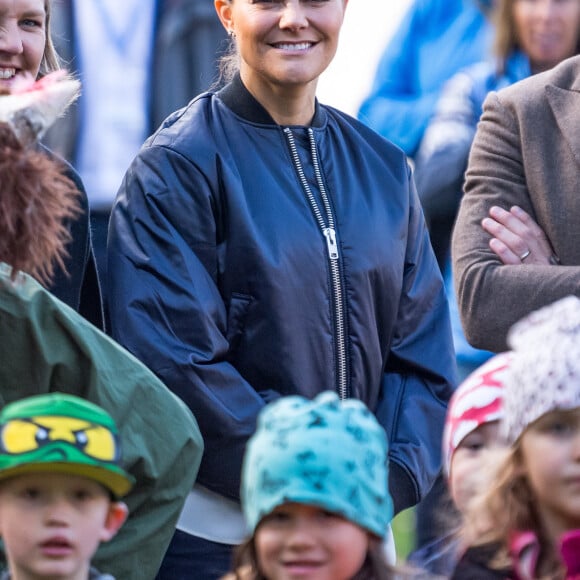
[(302, 534), (57, 511)]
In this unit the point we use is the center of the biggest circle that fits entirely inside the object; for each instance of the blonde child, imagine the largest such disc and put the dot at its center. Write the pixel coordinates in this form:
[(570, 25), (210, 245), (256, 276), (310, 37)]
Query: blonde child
[(60, 484), (471, 429), (314, 493), (526, 524)]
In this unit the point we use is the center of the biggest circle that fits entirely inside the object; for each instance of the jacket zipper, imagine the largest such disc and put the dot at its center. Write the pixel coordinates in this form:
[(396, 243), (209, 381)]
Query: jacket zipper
[(328, 230)]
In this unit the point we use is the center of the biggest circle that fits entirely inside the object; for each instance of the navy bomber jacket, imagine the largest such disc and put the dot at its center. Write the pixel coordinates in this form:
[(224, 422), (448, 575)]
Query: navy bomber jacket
[(248, 261)]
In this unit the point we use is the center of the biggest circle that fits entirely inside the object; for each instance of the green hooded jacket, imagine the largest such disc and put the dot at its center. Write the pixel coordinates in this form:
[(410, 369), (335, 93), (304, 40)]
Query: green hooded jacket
[(46, 346)]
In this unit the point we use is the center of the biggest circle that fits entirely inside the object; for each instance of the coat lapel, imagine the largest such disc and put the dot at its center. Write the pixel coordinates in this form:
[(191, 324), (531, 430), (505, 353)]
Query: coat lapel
[(565, 104)]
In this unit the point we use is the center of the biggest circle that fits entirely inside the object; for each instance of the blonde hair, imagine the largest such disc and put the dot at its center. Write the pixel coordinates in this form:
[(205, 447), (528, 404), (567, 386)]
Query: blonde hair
[(503, 504), (229, 63), (50, 61), (506, 40)]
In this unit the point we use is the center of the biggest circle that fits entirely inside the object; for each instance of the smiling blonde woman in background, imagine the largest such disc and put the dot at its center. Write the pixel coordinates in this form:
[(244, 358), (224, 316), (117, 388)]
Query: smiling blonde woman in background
[(27, 53), (263, 245)]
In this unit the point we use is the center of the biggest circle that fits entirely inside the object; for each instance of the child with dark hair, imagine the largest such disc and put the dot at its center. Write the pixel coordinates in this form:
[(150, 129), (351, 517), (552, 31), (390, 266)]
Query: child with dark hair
[(314, 493)]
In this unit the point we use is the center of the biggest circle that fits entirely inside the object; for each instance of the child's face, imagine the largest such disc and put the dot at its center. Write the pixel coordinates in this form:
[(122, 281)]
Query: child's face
[(52, 524), (550, 450), (466, 463), (306, 542)]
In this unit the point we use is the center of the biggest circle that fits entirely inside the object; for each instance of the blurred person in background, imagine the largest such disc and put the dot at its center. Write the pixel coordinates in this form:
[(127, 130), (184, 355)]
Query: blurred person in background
[(26, 54), (138, 61), (531, 36), (436, 39)]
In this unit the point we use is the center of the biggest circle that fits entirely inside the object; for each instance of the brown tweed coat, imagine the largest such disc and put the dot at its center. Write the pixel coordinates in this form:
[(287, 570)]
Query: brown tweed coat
[(526, 152)]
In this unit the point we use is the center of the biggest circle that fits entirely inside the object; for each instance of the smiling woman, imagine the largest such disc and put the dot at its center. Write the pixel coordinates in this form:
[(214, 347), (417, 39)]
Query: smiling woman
[(284, 44), (26, 53), (23, 40), (254, 235)]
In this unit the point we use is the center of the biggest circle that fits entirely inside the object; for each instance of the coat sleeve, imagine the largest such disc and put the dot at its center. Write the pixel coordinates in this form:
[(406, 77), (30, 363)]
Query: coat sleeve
[(165, 242), (394, 108), (77, 285), (493, 296), (441, 160), (420, 371)]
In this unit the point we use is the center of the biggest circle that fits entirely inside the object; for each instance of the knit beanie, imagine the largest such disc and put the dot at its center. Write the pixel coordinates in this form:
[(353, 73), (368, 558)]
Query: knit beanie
[(544, 374), (326, 453), (477, 400)]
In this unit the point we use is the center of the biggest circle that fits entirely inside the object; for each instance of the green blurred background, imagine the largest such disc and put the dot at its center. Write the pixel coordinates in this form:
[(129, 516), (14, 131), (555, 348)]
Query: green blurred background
[(404, 531)]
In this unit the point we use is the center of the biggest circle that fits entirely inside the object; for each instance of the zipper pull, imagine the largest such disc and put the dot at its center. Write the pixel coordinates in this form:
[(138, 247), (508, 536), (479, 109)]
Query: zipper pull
[(330, 236)]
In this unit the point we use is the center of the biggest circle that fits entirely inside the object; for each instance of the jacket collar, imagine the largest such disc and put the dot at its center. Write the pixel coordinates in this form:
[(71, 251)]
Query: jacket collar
[(525, 552), (565, 104), (237, 98)]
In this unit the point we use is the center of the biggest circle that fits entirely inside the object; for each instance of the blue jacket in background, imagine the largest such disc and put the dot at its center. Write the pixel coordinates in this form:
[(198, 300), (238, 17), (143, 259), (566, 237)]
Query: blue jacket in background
[(441, 162), (436, 39)]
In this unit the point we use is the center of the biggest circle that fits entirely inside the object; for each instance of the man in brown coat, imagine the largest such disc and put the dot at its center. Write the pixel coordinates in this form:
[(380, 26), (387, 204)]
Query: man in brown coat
[(526, 153)]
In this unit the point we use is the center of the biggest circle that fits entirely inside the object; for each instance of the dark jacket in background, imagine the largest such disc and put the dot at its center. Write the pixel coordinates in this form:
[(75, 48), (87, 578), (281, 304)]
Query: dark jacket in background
[(475, 564), (185, 30), (78, 286)]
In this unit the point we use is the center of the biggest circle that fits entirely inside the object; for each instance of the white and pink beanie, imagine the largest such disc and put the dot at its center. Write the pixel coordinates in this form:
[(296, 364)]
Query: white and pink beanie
[(478, 400)]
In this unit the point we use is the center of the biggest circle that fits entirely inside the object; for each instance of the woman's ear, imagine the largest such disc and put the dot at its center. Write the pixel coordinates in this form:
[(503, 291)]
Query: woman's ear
[(118, 512), (224, 12)]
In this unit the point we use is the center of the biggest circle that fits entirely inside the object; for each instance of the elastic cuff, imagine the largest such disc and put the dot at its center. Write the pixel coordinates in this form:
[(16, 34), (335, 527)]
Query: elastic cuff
[(402, 488)]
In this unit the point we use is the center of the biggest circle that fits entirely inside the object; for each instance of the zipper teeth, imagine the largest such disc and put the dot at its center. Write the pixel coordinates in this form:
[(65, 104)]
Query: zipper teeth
[(342, 384), (318, 175), (334, 264), (303, 180), (335, 273)]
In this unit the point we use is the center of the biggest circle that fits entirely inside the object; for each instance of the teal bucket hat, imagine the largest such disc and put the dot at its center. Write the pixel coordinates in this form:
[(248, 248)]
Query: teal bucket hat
[(59, 433), (326, 453)]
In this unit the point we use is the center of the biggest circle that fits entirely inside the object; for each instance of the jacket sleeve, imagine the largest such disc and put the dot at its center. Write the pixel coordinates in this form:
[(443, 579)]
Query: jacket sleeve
[(165, 242), (420, 371), (441, 160), (394, 108), (77, 285), (497, 176)]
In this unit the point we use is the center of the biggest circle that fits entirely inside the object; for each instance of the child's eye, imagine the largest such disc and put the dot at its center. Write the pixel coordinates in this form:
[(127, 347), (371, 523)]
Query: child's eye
[(559, 428), (325, 514), (474, 446), (277, 517), (29, 493)]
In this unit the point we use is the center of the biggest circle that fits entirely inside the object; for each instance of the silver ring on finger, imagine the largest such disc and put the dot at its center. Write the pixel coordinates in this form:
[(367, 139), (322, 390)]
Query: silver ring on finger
[(525, 255)]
